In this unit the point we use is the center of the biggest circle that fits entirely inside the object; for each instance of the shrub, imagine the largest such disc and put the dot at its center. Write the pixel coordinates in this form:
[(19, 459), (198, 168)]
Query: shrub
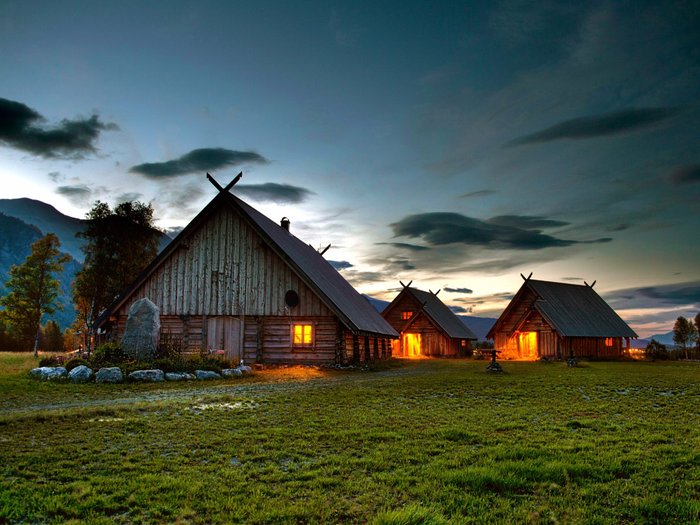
[(107, 354), (169, 347), (656, 350), (75, 362), (54, 360)]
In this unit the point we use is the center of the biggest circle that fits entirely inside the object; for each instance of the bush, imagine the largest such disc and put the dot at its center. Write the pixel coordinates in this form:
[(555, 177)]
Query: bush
[(107, 354), (75, 362), (54, 360), (169, 347), (656, 350)]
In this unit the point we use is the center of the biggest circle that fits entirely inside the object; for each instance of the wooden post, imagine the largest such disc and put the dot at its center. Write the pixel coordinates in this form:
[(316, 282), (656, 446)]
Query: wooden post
[(367, 355), (355, 349), (376, 349)]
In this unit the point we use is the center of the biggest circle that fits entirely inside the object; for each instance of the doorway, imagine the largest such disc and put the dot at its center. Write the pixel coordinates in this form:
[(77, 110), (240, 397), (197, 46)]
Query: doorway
[(224, 337)]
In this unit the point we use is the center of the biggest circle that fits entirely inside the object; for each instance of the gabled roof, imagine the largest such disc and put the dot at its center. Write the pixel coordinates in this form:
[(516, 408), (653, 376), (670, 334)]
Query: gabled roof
[(354, 311), (440, 314), (572, 310)]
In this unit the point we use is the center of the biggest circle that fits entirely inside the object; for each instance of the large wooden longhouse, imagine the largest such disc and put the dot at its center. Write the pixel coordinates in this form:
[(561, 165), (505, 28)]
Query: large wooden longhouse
[(234, 280), (559, 321), (427, 327)]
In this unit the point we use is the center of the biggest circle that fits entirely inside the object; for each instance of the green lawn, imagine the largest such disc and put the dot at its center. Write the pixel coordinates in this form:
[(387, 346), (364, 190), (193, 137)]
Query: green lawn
[(419, 442)]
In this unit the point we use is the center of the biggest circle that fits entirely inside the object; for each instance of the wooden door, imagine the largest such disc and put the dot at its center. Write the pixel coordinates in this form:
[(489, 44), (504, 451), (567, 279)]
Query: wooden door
[(224, 337)]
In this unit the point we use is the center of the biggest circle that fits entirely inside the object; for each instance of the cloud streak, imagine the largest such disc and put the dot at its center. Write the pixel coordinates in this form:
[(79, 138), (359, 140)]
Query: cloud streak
[(607, 124), (23, 128), (458, 290), (197, 161), (504, 232), (273, 192)]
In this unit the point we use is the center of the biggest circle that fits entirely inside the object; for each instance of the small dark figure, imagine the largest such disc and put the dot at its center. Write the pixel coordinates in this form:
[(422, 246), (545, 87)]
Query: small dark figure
[(493, 365)]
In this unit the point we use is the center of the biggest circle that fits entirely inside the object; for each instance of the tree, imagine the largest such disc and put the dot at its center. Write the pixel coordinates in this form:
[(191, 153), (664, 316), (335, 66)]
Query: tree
[(656, 350), (34, 289), (684, 334), (120, 244), (53, 338), (697, 329)]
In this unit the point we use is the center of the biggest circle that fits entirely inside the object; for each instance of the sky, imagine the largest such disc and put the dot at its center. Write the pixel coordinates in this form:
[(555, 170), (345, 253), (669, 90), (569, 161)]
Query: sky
[(452, 144)]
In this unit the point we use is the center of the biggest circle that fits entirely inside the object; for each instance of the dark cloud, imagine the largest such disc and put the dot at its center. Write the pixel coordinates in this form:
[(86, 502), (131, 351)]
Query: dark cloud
[(405, 246), (526, 222), (480, 193), (340, 265), (617, 227), (129, 197), (679, 294), (273, 192), (458, 290), (198, 161), (685, 174), (79, 189), (461, 309), (440, 228), (613, 123), (23, 128), (572, 279), (57, 176), (77, 194)]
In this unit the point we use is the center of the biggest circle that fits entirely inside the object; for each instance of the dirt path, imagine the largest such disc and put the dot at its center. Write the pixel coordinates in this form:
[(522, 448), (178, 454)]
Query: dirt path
[(267, 383)]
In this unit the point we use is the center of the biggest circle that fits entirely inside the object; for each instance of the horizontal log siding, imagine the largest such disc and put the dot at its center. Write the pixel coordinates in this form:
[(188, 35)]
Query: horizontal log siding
[(224, 268)]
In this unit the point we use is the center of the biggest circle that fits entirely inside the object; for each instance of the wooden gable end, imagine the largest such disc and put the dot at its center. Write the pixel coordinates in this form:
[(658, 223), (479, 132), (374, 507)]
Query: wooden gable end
[(223, 267), (519, 310), (405, 302)]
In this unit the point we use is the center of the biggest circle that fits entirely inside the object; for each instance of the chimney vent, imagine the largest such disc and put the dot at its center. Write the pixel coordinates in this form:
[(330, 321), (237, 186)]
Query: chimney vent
[(285, 223)]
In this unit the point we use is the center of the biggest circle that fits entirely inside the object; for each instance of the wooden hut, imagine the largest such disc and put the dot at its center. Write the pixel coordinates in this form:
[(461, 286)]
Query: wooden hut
[(427, 327), (233, 282), (559, 321)]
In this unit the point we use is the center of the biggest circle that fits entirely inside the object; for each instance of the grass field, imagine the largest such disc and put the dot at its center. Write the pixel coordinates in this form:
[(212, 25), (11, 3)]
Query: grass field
[(418, 442)]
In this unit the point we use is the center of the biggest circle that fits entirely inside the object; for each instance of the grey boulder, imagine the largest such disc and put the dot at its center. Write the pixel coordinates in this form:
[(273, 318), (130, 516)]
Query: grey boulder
[(179, 376), (81, 374), (142, 330), (153, 376), (49, 373), (206, 374), (232, 372), (112, 374)]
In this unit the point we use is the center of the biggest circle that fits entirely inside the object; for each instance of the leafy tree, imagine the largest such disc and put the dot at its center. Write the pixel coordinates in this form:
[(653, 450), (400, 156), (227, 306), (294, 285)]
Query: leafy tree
[(684, 334), (33, 289), (697, 329), (53, 338), (120, 244), (656, 350)]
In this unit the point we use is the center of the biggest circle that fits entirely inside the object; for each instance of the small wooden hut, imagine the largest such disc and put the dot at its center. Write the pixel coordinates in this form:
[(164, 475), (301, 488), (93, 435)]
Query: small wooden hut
[(234, 282), (427, 327), (559, 321)]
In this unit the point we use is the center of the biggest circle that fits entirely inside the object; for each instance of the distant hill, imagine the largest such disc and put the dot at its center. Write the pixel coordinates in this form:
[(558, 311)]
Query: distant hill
[(16, 239), (666, 338), (479, 325), (22, 222), (49, 220)]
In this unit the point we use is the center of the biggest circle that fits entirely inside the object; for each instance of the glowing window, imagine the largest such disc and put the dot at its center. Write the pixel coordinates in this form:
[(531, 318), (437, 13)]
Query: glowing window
[(303, 334), (608, 341), (406, 315), (464, 342)]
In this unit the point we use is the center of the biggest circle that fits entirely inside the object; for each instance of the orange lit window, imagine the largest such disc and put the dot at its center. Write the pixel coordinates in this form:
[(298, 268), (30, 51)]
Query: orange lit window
[(406, 315), (608, 341), (464, 342), (303, 334)]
